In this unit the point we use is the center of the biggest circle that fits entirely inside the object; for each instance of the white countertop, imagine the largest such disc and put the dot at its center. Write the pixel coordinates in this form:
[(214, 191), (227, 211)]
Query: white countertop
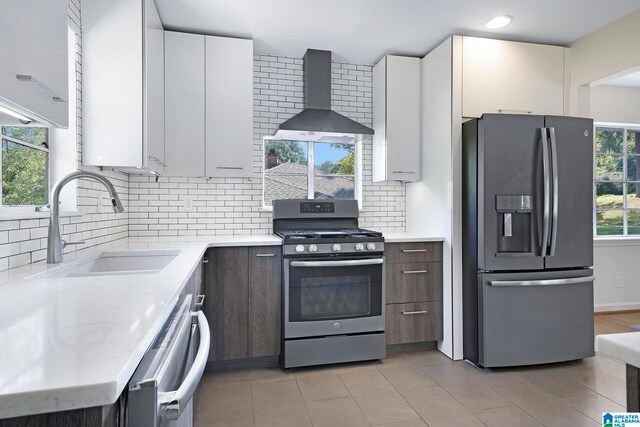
[(624, 347), (74, 342), (399, 237)]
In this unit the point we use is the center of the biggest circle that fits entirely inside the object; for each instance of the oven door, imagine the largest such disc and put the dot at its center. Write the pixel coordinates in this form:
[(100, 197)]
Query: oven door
[(333, 296)]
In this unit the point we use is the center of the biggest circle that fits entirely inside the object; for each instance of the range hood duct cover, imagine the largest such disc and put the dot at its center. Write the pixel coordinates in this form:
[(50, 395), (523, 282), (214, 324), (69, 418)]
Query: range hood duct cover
[(317, 122)]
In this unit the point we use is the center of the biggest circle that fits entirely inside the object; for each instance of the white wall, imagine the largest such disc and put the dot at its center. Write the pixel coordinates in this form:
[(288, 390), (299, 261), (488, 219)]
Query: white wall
[(615, 104), (604, 53), (617, 285)]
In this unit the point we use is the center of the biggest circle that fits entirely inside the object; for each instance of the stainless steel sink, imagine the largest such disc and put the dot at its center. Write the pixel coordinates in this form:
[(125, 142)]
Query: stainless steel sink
[(125, 262)]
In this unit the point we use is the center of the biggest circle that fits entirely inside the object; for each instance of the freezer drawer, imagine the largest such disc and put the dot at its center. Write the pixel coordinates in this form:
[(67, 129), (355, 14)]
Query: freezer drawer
[(534, 318)]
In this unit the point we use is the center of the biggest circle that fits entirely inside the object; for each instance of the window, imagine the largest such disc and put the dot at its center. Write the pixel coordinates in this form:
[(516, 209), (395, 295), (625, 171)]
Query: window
[(617, 190), (287, 174), (25, 166)]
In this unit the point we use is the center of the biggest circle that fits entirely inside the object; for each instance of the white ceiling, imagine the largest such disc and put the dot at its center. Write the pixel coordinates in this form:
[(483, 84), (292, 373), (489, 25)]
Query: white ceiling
[(629, 80), (362, 31)]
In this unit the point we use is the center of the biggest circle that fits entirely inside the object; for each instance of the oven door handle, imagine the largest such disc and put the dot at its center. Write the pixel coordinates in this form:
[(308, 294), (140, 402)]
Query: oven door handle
[(343, 263), (173, 403)]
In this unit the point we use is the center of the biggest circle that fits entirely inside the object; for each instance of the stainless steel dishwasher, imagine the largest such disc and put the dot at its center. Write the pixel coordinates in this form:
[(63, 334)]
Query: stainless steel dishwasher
[(161, 389)]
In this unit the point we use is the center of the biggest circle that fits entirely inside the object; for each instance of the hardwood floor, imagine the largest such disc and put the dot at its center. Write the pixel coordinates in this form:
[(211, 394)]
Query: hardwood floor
[(615, 322)]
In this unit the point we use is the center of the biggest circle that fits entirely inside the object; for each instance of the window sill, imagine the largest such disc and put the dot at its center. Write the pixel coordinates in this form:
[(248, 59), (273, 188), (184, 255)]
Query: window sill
[(8, 215), (616, 241)]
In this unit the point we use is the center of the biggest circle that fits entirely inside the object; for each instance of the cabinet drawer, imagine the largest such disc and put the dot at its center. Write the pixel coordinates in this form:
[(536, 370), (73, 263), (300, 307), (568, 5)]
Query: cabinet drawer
[(411, 282), (414, 322), (413, 252)]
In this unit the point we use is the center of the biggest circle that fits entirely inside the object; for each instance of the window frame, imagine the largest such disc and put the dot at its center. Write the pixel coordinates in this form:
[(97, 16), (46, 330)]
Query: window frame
[(28, 208), (625, 127), (357, 175)]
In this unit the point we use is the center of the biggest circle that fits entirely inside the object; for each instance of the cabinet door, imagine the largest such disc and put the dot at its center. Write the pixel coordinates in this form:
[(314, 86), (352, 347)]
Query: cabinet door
[(112, 86), (414, 322), (184, 104), (153, 101), (33, 42), (511, 77), (229, 100), (265, 284), (420, 281), (403, 118), (226, 288)]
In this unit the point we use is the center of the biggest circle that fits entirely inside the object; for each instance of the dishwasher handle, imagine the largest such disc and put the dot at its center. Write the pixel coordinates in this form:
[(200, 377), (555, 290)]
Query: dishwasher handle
[(174, 402)]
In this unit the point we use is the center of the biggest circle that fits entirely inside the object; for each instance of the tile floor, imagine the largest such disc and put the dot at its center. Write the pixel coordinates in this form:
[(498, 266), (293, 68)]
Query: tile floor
[(421, 388)]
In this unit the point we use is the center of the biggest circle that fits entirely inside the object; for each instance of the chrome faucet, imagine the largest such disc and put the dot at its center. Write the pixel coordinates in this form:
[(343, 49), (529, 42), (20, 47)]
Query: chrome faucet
[(55, 243)]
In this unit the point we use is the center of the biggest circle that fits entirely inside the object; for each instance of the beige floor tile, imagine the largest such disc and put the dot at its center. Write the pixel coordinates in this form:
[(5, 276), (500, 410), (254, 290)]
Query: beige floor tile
[(425, 358), (459, 371), (341, 412), (439, 408), (593, 406), (410, 423), (507, 416), (279, 404), (590, 375), (555, 383), (405, 376), (227, 404), (322, 386), (254, 374), (541, 405), (475, 395), (377, 398)]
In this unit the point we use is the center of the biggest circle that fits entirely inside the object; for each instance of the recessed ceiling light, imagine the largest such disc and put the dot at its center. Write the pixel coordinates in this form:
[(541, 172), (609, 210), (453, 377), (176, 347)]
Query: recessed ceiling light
[(499, 21)]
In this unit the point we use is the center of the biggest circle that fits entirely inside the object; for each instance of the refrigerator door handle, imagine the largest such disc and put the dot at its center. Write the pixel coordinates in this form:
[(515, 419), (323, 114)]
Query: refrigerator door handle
[(554, 170), (548, 282), (546, 192)]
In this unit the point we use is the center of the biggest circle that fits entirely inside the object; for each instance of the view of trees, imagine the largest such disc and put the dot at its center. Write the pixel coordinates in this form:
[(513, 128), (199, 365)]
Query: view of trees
[(612, 186), (24, 169)]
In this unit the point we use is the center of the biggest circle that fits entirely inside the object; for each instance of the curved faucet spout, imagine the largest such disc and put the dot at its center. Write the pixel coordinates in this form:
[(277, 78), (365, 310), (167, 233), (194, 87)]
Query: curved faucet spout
[(54, 241)]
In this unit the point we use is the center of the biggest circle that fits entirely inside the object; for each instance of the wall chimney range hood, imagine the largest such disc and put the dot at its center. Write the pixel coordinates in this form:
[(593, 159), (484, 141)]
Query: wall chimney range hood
[(317, 122)]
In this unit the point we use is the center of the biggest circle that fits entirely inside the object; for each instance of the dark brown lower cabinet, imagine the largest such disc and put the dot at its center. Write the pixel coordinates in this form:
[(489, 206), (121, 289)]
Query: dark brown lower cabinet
[(414, 322), (242, 304), (414, 292)]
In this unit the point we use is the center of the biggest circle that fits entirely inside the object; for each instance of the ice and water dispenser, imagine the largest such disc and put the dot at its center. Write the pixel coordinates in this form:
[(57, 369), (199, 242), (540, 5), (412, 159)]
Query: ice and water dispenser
[(515, 228)]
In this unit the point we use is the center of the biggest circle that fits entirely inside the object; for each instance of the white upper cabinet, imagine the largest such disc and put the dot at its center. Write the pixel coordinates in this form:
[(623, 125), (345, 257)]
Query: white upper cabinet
[(229, 112), (511, 77), (123, 75), (396, 119), (184, 104), (33, 70)]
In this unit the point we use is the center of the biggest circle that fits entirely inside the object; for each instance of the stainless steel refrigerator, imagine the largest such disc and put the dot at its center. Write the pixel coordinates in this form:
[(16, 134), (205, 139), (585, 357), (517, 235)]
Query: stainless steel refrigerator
[(527, 239)]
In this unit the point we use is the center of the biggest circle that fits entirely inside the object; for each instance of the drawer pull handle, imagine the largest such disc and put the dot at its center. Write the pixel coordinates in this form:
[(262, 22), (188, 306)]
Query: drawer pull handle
[(414, 312), (414, 271), (265, 255), (230, 167), (408, 251)]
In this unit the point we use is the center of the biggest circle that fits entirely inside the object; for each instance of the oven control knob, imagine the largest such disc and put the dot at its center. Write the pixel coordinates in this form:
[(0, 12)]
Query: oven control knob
[(371, 246), (300, 248), (336, 247), (359, 247), (313, 248)]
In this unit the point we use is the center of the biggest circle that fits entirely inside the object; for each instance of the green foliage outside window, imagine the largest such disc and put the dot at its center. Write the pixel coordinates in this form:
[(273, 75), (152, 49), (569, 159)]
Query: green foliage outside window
[(24, 167)]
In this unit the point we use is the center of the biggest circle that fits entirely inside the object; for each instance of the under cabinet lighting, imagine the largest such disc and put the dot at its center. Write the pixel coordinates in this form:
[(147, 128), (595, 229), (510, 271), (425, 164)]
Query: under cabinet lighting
[(23, 119), (499, 21)]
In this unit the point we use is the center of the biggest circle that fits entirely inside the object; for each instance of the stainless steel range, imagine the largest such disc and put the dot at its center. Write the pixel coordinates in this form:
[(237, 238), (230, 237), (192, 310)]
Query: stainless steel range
[(333, 283)]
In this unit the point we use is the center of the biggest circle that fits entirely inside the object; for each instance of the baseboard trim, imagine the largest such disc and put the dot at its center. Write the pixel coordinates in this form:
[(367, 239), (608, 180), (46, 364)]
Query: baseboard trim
[(611, 308)]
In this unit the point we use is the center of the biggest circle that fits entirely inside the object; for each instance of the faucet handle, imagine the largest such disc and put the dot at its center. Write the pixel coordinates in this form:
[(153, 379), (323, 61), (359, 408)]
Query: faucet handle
[(65, 243)]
